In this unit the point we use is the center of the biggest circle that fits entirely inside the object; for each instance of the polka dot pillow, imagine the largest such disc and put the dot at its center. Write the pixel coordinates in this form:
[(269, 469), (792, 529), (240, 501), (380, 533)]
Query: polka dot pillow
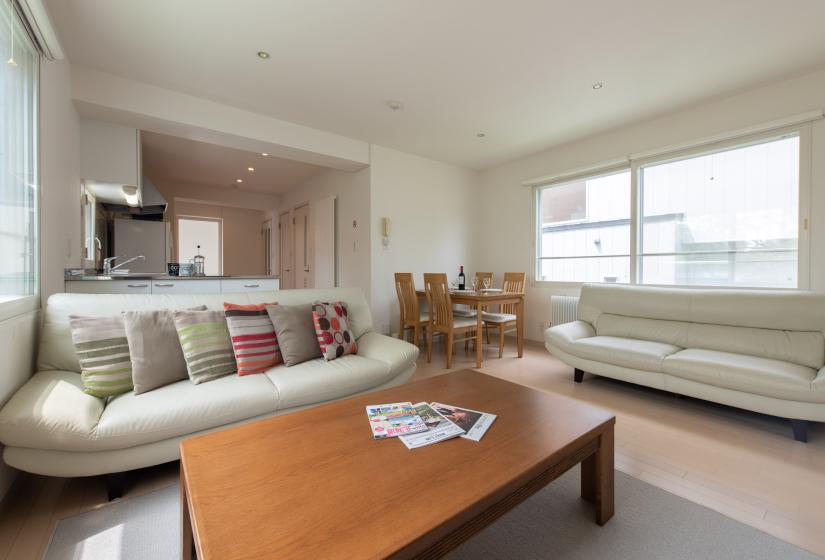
[(332, 328)]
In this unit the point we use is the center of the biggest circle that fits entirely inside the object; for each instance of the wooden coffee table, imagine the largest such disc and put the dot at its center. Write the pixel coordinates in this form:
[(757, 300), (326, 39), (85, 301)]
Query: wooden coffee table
[(314, 484)]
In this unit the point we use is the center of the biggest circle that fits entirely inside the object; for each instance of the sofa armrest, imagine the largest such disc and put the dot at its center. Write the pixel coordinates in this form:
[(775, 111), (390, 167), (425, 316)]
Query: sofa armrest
[(398, 354), (562, 336), (50, 411)]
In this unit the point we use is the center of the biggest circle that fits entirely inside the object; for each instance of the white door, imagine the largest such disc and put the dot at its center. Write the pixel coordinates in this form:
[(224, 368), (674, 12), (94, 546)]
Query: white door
[(286, 250), (302, 252), (266, 231)]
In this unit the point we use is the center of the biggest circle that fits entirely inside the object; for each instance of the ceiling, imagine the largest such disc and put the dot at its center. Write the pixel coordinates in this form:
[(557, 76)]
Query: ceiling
[(519, 71), (179, 160)]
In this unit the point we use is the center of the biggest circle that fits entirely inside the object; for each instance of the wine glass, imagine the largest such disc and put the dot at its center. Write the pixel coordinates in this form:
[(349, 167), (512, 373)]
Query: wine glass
[(475, 282), (486, 283)]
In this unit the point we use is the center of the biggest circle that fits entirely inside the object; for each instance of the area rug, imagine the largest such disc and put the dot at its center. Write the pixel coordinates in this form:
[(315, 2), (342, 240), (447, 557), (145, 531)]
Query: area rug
[(554, 523)]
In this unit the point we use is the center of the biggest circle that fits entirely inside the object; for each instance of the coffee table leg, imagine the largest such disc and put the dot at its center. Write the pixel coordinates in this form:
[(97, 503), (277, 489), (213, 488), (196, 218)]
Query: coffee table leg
[(597, 478), (187, 541)]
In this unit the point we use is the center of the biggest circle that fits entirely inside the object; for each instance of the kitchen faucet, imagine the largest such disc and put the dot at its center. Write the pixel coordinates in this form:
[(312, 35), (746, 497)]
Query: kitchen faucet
[(107, 263)]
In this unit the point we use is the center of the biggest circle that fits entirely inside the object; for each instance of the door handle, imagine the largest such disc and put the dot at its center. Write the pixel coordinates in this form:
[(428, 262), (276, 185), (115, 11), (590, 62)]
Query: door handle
[(164, 285), (251, 285), (137, 285)]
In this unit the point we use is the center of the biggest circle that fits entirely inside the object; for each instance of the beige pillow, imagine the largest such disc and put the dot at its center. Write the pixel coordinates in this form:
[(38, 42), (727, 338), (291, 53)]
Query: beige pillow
[(157, 358), (295, 331)]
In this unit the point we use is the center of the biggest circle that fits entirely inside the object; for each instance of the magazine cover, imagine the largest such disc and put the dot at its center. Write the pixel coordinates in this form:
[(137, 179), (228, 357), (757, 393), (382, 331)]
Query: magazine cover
[(474, 423), (394, 419), (439, 428)]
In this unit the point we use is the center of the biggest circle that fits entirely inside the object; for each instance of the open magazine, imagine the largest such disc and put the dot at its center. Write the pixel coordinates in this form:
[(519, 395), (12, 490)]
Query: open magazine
[(394, 419), (474, 423), (439, 428)]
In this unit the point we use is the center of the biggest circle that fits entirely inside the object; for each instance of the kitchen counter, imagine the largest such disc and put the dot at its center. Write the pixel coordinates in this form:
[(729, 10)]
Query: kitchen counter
[(162, 284)]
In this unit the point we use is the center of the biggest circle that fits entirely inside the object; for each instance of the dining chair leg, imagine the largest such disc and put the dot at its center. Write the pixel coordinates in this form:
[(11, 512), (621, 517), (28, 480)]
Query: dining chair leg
[(415, 335), (429, 345), (401, 331), (500, 341), (466, 343), (487, 330), (449, 349)]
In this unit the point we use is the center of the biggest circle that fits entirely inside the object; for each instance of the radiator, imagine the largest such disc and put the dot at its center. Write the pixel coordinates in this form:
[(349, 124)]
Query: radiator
[(563, 309)]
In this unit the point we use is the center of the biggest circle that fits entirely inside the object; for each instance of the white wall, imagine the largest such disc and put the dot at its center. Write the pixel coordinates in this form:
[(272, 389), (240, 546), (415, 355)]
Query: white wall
[(505, 201), (352, 192), (433, 210), (60, 228)]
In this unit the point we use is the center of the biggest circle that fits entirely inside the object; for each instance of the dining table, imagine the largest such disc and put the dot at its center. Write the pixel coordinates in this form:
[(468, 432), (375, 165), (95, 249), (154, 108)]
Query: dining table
[(481, 299)]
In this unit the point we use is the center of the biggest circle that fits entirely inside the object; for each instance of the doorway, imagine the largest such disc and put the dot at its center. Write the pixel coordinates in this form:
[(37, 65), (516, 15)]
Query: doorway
[(206, 233)]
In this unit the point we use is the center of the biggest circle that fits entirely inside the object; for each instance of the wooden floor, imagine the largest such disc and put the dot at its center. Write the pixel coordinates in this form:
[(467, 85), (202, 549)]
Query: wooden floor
[(743, 465)]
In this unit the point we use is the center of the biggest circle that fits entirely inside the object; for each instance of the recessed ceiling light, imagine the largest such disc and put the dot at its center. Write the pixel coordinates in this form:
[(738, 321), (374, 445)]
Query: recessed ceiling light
[(598, 85), (239, 180), (251, 168), (394, 105), (263, 55), (264, 154), (481, 134)]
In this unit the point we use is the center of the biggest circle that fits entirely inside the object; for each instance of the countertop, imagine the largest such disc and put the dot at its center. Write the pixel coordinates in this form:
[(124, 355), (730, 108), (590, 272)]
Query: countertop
[(149, 276)]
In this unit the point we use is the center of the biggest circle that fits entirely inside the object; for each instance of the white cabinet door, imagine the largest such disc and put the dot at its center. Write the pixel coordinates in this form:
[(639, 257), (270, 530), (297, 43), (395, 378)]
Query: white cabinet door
[(109, 153), (109, 287), (235, 285), (186, 286)]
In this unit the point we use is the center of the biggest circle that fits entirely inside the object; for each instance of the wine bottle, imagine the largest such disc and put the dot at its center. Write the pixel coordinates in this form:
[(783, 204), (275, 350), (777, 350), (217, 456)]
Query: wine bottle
[(462, 280)]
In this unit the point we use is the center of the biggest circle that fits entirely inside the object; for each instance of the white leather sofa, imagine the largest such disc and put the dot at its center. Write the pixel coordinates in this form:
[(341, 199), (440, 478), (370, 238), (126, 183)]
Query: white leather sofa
[(760, 350), (51, 427)]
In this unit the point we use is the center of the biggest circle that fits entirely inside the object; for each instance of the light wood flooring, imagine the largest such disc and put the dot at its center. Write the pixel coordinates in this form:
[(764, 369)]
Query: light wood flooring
[(743, 465)]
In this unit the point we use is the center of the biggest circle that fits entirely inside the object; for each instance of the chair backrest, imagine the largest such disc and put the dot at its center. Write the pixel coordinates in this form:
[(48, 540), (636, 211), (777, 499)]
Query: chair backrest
[(480, 276), (407, 299), (438, 299), (513, 282)]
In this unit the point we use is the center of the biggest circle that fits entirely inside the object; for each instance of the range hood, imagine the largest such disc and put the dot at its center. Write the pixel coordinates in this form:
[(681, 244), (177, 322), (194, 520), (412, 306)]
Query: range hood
[(144, 200)]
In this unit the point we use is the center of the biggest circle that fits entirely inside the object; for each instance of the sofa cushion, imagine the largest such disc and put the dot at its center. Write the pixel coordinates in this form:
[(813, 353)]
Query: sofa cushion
[(626, 352), (319, 380), (335, 338), (295, 330), (253, 337), (51, 411), (750, 374), (103, 352), (207, 347), (183, 408)]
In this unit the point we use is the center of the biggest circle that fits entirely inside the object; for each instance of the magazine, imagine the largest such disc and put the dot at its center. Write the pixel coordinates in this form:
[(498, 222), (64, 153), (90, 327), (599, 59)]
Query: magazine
[(474, 423), (394, 419), (439, 428)]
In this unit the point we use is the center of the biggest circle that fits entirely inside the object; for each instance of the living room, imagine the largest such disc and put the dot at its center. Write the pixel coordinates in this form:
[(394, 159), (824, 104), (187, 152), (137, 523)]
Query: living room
[(666, 224)]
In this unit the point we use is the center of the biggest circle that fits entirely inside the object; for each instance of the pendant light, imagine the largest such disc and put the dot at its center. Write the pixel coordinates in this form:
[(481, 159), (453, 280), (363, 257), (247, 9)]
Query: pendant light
[(11, 61)]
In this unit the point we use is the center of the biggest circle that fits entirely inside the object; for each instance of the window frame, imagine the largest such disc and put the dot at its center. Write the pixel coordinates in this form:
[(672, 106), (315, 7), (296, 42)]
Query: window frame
[(803, 131), (30, 303), (191, 217)]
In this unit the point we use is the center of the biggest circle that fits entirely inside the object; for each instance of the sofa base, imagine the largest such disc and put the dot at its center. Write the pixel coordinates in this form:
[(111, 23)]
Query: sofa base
[(115, 485), (800, 430), (51, 462), (578, 375)]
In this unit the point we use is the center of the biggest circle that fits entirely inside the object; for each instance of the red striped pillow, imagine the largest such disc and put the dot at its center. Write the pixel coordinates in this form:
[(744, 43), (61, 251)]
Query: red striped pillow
[(253, 337)]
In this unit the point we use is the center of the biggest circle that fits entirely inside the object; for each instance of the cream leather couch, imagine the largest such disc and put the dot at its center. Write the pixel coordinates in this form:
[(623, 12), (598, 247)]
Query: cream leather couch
[(51, 427), (758, 350)]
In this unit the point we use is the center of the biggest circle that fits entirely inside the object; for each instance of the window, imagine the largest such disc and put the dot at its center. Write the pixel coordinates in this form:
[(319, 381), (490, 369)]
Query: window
[(584, 230), (18, 160), (203, 232), (728, 216)]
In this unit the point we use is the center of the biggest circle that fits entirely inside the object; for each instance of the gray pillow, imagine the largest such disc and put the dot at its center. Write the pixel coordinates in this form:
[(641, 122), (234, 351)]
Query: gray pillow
[(295, 331), (157, 358)]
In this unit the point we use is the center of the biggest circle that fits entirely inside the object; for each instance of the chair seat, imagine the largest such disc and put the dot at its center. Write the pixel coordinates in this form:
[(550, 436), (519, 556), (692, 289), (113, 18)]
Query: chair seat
[(498, 317), (464, 313), (461, 322), (424, 317), (626, 352)]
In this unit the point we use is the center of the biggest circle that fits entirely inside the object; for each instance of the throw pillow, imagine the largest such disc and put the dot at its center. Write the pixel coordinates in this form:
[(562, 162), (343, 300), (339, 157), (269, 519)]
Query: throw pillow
[(207, 349), (157, 358), (295, 331), (253, 337), (332, 328), (103, 353)]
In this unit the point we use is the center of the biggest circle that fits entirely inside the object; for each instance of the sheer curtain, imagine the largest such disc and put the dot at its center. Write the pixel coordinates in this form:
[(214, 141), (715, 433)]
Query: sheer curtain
[(18, 159)]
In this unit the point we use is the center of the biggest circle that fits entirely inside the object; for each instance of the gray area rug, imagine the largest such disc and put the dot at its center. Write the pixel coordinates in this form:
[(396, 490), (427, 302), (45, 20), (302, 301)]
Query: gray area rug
[(555, 523)]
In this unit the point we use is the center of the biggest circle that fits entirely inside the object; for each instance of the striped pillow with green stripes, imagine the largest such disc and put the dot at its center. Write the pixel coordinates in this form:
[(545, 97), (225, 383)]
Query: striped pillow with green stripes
[(105, 365), (207, 348)]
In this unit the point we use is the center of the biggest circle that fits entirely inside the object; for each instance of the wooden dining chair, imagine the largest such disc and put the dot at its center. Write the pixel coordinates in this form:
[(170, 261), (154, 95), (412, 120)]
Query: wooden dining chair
[(411, 315), (442, 319), (505, 320)]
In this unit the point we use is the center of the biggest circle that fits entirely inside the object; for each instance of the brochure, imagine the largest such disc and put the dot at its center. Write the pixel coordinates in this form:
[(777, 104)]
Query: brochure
[(394, 419), (439, 428), (474, 423)]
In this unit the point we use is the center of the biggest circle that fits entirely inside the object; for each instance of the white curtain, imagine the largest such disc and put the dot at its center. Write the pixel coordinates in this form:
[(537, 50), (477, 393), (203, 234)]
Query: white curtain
[(18, 159)]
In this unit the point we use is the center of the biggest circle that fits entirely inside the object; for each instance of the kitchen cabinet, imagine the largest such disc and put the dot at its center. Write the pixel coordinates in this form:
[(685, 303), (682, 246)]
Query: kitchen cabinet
[(109, 153), (172, 286)]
